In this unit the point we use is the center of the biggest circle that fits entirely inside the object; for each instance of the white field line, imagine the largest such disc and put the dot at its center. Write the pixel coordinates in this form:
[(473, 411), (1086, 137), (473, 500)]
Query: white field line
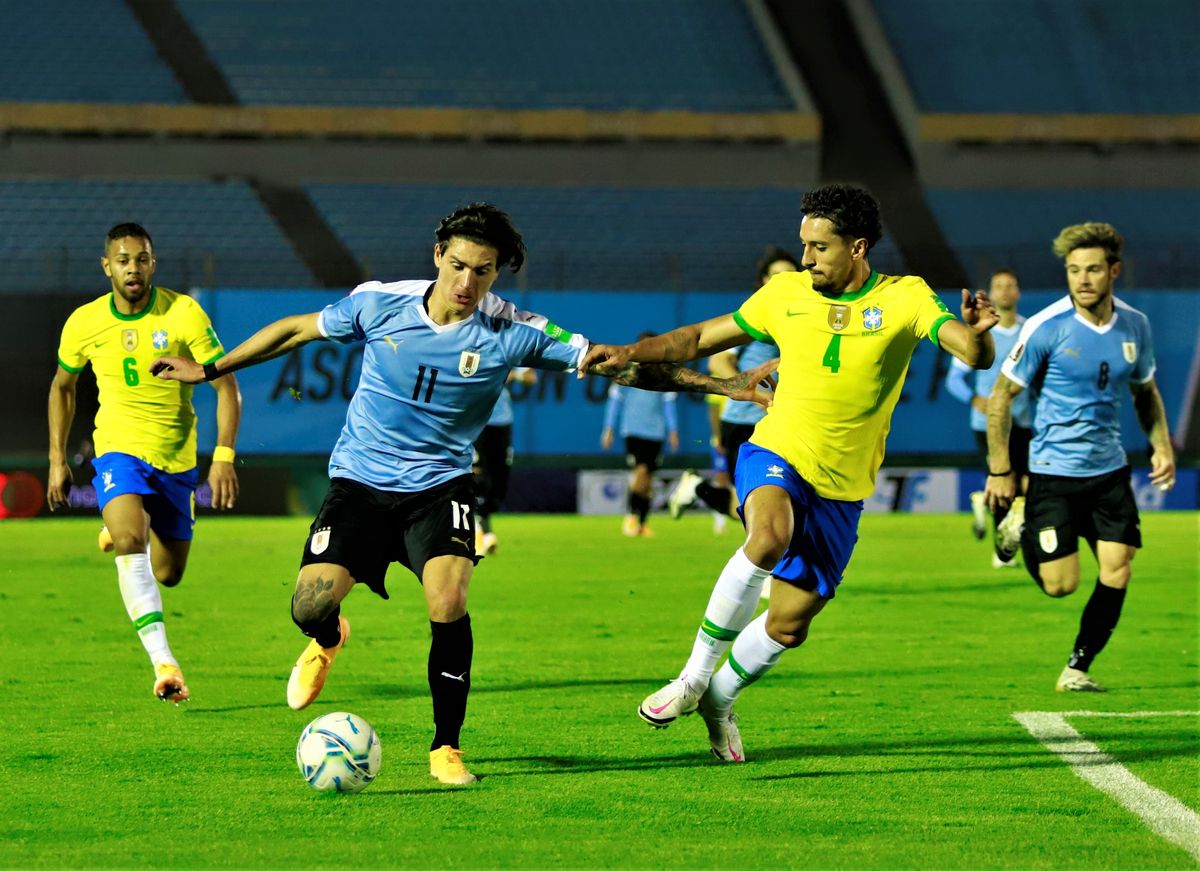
[(1161, 812)]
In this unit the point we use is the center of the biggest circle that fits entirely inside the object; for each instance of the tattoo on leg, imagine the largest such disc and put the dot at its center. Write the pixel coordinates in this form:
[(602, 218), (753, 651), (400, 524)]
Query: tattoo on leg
[(315, 599)]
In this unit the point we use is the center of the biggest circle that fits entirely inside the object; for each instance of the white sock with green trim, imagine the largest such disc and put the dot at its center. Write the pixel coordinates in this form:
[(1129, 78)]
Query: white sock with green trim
[(143, 603), (733, 603), (753, 655)]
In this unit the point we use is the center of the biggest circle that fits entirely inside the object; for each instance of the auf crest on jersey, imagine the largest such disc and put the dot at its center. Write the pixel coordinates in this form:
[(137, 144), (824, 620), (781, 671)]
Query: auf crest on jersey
[(468, 363)]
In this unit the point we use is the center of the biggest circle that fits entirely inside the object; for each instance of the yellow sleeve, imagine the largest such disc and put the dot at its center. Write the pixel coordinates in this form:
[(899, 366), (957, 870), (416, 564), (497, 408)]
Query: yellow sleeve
[(70, 345), (930, 312), (754, 316), (201, 338)]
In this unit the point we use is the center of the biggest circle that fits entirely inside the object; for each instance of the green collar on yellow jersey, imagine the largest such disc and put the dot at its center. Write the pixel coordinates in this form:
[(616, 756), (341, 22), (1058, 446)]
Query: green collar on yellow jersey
[(855, 294), (112, 306)]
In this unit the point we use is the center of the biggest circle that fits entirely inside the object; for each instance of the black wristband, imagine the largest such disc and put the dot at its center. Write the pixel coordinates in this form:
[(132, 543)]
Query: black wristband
[(1003, 474), (210, 372)]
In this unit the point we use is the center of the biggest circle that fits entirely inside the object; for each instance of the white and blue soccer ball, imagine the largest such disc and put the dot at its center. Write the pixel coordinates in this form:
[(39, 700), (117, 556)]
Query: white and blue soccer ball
[(338, 752)]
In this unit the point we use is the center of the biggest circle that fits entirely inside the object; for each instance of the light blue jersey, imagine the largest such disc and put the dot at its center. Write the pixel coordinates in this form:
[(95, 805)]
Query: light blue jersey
[(645, 414), (749, 356), (965, 383), (502, 412), (427, 389), (1077, 374)]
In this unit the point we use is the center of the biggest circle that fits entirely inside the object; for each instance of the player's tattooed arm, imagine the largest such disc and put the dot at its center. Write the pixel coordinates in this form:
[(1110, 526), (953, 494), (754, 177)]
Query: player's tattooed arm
[(669, 377)]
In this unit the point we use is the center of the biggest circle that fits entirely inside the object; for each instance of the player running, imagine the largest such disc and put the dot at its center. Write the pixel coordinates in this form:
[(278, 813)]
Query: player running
[(845, 335), (145, 434), (1077, 357), (401, 489)]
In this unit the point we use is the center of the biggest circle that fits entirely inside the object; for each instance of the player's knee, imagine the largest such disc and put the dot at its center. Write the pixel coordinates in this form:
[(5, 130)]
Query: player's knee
[(169, 578), (790, 634), (767, 543), (447, 605), (127, 541)]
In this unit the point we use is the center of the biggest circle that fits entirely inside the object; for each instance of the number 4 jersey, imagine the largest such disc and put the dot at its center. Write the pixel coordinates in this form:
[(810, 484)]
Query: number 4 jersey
[(1077, 374), (140, 415), (427, 389), (843, 360)]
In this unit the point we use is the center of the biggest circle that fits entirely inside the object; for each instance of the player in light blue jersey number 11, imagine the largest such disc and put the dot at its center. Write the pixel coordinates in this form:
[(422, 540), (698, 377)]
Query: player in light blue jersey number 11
[(1077, 357), (436, 359)]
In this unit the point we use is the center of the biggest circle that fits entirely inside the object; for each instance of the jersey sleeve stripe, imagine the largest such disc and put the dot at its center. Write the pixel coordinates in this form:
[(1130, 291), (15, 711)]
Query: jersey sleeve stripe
[(937, 325), (70, 369), (214, 359), (749, 330), (1148, 378)]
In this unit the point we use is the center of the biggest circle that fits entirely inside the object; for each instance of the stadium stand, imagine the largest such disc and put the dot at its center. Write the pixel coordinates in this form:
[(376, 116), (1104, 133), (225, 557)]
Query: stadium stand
[(701, 55), (100, 55), (1047, 56), (581, 237), (205, 233)]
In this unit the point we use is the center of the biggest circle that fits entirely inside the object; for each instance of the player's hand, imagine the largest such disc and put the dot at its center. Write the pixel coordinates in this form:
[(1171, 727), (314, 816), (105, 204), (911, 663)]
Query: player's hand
[(606, 439), (1162, 470), (605, 359), (978, 312), (177, 369), (223, 480), (754, 385), (673, 442), (58, 485), (999, 490)]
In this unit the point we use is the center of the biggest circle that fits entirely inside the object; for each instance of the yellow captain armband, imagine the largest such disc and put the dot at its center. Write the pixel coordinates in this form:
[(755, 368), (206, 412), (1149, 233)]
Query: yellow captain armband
[(223, 454)]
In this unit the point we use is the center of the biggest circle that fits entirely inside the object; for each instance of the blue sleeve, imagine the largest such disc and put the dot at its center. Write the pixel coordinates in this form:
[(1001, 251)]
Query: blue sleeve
[(958, 382), (556, 350), (1143, 370), (670, 413), (1029, 354), (341, 320), (613, 408)]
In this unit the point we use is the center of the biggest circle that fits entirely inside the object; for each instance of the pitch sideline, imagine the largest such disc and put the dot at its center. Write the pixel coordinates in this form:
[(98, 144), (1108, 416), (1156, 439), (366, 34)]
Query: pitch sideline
[(1164, 814)]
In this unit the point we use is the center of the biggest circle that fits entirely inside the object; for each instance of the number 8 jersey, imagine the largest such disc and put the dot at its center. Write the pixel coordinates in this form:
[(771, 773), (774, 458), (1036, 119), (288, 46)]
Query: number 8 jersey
[(1077, 373), (843, 360), (427, 389)]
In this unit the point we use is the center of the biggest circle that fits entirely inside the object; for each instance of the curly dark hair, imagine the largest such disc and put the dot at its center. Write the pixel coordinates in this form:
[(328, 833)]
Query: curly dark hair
[(484, 224), (124, 231), (852, 211), (773, 254)]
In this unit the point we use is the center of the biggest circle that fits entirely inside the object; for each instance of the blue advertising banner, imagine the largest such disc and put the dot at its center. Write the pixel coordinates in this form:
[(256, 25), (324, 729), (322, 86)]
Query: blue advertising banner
[(296, 404)]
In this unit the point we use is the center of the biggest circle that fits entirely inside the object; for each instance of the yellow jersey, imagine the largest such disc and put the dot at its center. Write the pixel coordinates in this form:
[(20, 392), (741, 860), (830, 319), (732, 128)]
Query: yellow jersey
[(842, 365), (139, 414)]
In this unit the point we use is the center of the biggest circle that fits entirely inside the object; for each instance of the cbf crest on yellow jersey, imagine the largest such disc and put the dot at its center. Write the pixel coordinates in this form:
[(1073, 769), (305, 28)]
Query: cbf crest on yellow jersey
[(842, 364), (139, 414)]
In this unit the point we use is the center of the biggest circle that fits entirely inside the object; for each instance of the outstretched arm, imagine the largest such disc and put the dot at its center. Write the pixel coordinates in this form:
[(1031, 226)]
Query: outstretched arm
[(678, 346), (1152, 415), (743, 386), (970, 340), (271, 341)]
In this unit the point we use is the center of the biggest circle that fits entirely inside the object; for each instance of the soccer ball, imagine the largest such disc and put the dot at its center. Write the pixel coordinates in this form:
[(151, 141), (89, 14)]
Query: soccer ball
[(338, 752)]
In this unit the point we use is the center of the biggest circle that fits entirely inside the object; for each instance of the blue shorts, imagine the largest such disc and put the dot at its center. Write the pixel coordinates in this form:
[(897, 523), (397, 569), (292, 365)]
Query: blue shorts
[(720, 463), (825, 530), (169, 499)]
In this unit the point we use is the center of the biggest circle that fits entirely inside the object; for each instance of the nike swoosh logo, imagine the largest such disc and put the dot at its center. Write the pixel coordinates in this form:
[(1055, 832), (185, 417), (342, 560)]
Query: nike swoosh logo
[(659, 710), (98, 344), (792, 314), (459, 677)]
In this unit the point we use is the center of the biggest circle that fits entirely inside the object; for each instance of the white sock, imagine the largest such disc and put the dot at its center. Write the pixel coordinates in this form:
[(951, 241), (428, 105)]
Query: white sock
[(753, 655), (143, 603), (733, 602)]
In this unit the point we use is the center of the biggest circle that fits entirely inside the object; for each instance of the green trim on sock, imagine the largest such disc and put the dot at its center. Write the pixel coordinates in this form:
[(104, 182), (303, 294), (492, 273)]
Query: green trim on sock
[(712, 630), (741, 672), (146, 619)]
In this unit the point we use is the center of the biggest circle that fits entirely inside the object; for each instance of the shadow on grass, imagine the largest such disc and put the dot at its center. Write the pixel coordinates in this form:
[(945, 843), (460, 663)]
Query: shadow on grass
[(381, 690)]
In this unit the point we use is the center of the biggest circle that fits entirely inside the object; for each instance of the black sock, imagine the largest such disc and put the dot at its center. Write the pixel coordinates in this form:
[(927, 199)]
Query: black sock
[(327, 633), (719, 499), (1096, 626), (640, 506), (485, 523), (450, 653)]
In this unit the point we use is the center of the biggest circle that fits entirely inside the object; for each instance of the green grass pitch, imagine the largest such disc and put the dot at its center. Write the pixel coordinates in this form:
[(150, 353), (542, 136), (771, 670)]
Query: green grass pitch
[(887, 741)]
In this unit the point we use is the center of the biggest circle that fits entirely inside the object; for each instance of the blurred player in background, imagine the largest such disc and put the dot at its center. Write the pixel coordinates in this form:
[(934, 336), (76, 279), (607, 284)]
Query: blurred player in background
[(493, 462), (647, 419), (845, 335), (974, 386), (737, 419), (437, 356), (145, 437), (1077, 357)]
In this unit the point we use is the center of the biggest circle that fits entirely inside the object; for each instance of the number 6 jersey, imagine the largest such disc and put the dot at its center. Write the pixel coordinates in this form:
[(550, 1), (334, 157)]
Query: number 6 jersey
[(427, 389), (1077, 373)]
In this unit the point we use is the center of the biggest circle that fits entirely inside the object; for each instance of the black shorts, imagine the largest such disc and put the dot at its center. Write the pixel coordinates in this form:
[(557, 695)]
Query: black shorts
[(1059, 511), (643, 452), (733, 436), (1018, 448), (364, 530)]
